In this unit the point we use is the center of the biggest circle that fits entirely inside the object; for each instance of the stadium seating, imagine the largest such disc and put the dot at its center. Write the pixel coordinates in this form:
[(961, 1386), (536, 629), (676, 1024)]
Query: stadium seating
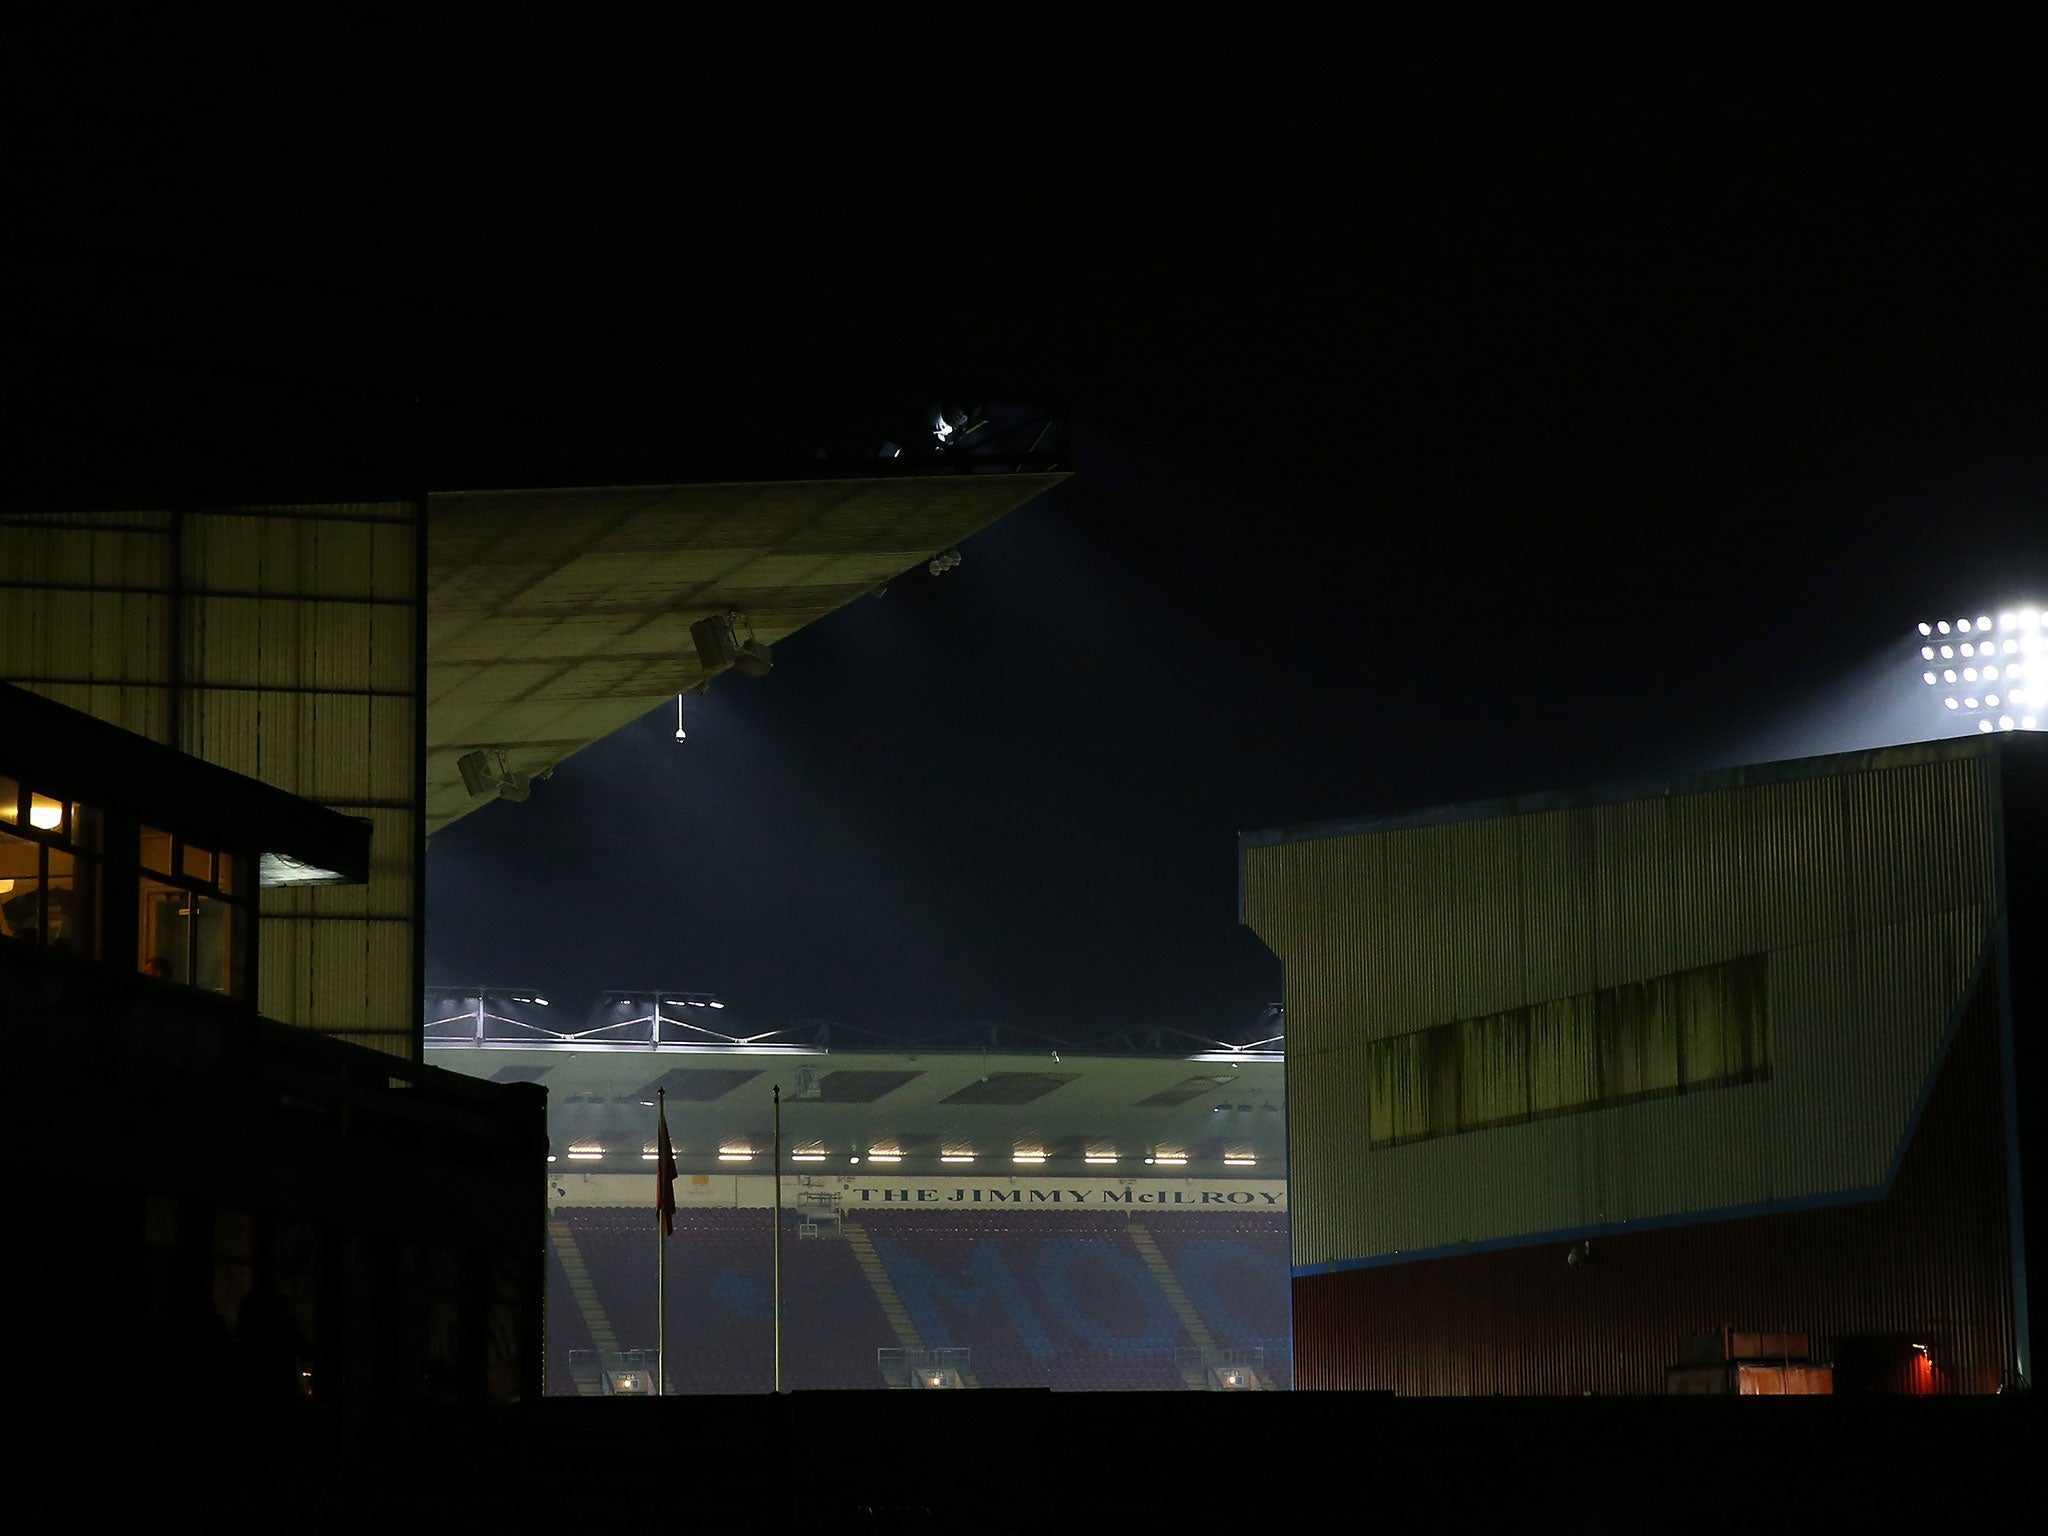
[(1041, 1298), (720, 1280), (1234, 1271)]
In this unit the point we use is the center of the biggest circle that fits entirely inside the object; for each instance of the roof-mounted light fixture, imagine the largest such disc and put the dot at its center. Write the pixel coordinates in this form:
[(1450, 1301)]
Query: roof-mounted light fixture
[(481, 775), (717, 637)]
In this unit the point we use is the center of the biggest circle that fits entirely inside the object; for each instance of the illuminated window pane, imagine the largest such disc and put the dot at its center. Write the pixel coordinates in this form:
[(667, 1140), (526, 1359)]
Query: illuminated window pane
[(198, 863), (21, 887), (10, 801), (163, 938), (63, 918), (213, 947), (156, 850), (45, 814)]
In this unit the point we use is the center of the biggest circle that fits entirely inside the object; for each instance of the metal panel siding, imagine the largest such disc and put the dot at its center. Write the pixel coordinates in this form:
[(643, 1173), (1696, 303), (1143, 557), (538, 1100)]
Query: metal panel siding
[(1868, 890), (1926, 1264), (296, 663)]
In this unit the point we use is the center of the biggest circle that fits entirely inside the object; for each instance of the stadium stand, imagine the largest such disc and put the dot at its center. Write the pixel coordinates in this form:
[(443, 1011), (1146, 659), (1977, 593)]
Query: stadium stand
[(720, 1278), (1061, 1300)]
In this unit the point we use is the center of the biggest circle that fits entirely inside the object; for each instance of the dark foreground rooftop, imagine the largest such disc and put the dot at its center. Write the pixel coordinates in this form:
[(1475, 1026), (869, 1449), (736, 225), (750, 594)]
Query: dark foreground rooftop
[(1034, 1461)]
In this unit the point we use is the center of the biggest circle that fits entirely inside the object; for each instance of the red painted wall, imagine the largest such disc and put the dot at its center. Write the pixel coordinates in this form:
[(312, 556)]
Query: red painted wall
[(1929, 1264)]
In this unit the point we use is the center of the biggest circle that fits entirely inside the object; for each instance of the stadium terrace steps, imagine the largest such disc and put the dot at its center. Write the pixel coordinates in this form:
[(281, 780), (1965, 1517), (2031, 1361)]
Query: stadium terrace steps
[(1195, 1376), (863, 1249), (570, 1352), (582, 1288)]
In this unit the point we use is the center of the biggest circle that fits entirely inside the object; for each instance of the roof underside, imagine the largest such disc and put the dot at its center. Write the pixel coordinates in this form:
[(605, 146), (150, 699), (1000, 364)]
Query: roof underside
[(555, 617), (922, 1103)]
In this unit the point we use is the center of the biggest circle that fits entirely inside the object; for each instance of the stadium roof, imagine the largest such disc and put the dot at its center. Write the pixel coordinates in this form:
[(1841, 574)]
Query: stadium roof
[(556, 617), (1205, 1106)]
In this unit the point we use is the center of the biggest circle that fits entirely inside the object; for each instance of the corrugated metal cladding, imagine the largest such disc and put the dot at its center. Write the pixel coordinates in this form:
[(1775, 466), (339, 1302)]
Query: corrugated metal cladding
[(281, 642), (1865, 885), (1928, 1264)]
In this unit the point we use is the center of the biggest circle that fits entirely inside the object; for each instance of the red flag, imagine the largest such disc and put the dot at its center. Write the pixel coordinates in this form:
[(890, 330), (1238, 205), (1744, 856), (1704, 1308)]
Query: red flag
[(665, 1179)]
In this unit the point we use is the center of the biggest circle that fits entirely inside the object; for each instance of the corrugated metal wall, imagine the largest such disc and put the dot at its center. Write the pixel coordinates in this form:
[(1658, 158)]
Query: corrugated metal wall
[(1928, 1264), (280, 642), (1867, 888)]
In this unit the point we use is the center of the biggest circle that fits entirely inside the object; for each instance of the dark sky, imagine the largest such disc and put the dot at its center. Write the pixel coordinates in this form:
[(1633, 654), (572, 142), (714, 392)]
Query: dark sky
[(1461, 403)]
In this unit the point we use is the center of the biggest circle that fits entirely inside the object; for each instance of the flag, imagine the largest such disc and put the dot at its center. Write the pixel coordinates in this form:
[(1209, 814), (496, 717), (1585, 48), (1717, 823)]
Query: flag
[(665, 1177)]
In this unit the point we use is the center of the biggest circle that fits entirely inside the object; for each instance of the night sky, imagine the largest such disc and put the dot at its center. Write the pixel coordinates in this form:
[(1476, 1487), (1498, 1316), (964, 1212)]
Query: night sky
[(1458, 407)]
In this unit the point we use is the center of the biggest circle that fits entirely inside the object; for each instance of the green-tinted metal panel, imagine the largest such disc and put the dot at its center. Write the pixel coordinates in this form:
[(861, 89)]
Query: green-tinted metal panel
[(1867, 886)]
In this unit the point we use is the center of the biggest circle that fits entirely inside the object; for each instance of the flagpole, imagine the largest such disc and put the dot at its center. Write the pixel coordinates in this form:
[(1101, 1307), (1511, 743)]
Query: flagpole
[(661, 1153), (778, 1237)]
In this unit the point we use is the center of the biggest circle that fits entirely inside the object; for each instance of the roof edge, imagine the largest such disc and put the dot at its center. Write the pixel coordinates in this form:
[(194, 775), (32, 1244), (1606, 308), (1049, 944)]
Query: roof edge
[(1789, 770)]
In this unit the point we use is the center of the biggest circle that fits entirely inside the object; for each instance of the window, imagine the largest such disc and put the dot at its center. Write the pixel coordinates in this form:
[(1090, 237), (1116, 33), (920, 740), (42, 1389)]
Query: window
[(192, 926), (50, 871), (1683, 1033)]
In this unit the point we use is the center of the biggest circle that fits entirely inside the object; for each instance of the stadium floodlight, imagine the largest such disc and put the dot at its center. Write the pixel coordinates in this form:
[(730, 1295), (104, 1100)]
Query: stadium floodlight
[(1240, 1162), (1098, 1161), (956, 1157), (884, 1157), (1984, 665), (1027, 1157), (735, 1157), (807, 1157), (1167, 1159), (585, 1154)]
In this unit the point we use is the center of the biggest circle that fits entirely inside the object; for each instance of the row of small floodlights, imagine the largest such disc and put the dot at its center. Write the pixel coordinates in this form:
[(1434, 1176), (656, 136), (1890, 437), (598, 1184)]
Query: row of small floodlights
[(590, 1154), (1980, 661)]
